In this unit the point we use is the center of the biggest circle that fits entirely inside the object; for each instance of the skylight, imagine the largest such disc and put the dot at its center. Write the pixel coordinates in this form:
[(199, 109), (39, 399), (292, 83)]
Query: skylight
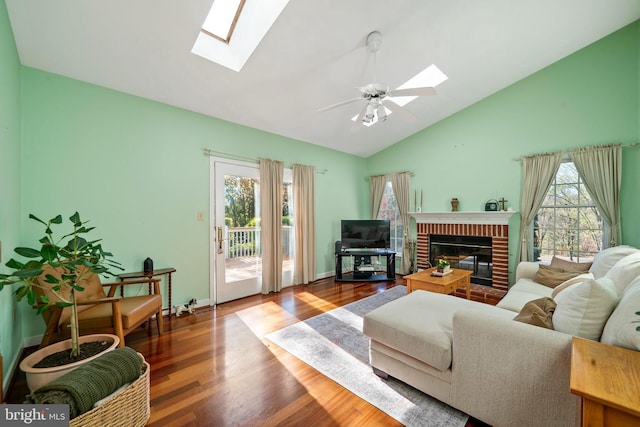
[(431, 76), (222, 19), (250, 22)]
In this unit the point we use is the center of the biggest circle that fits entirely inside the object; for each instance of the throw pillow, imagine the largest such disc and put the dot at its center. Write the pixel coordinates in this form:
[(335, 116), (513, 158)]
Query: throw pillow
[(573, 281), (538, 312), (552, 277), (606, 258), (563, 264), (620, 329), (583, 309), (625, 271)]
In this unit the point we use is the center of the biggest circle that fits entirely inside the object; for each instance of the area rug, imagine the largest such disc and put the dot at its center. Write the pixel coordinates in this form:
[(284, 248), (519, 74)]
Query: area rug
[(333, 344)]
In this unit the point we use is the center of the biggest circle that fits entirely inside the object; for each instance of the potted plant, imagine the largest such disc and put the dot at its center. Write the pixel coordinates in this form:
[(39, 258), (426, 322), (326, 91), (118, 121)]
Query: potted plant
[(444, 266), (73, 256)]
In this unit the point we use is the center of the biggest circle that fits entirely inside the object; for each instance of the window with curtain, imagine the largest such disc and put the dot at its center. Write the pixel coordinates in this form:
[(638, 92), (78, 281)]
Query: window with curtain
[(568, 224), (389, 210)]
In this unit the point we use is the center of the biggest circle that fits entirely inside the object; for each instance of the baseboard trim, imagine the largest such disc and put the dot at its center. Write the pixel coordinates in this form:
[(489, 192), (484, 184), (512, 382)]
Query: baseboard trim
[(13, 366), (325, 275)]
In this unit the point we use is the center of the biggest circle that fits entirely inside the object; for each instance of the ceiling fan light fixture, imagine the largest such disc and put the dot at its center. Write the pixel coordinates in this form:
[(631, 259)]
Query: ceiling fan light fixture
[(382, 113), (369, 115)]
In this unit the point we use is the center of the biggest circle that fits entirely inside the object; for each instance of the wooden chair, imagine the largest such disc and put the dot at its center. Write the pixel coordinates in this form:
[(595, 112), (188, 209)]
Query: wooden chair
[(100, 312)]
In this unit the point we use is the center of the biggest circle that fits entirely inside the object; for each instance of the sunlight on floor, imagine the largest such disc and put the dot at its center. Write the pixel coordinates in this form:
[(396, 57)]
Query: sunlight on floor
[(265, 318), (315, 302), (269, 317)]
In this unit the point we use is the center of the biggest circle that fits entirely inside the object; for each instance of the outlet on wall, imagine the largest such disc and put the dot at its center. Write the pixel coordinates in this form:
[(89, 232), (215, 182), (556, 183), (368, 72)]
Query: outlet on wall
[(200, 216)]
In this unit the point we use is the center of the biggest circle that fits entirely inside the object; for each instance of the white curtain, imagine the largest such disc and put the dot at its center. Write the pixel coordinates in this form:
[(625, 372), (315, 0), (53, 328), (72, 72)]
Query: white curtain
[(400, 184), (271, 182), (304, 270), (539, 172), (376, 191), (601, 171)]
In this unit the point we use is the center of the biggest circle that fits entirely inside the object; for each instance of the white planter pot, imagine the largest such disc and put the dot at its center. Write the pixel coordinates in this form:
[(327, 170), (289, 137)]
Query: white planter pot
[(37, 377)]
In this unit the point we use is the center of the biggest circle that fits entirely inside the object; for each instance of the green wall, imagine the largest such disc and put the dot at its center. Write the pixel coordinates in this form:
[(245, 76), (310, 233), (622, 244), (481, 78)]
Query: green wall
[(588, 98), (136, 169), (10, 331)]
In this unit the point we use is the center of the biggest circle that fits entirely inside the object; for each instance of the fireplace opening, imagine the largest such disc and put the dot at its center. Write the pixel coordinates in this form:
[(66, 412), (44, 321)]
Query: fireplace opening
[(464, 252)]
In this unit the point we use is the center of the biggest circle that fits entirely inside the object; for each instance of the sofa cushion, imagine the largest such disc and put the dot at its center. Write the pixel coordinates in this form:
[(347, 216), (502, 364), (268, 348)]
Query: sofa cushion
[(521, 293), (625, 271), (573, 281), (620, 329), (583, 309), (420, 325), (552, 277), (566, 265), (607, 258), (538, 312)]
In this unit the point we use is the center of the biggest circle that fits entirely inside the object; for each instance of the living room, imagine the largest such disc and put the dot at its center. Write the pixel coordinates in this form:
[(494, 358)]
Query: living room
[(135, 167)]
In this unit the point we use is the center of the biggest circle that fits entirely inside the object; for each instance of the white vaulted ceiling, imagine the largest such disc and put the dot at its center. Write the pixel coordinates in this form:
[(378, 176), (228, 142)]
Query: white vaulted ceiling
[(314, 55)]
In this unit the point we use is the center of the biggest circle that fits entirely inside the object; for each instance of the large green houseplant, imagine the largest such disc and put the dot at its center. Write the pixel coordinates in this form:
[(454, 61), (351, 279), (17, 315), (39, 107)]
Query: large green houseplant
[(72, 255)]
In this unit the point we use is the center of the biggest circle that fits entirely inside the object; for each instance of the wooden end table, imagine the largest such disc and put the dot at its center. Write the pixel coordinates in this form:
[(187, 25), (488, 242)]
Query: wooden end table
[(606, 377), (444, 285), (143, 274)]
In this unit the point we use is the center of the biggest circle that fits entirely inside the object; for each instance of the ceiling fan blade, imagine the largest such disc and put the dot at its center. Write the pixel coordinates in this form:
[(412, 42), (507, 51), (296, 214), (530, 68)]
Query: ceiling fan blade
[(339, 104), (414, 91), (359, 123), (401, 112)]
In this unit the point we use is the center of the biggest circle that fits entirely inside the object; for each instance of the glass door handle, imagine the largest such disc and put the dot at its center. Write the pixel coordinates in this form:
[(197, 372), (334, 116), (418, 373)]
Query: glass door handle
[(220, 239)]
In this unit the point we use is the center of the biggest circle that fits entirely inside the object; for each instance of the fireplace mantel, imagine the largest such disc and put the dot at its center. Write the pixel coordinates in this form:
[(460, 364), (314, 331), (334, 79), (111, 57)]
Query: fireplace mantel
[(491, 217)]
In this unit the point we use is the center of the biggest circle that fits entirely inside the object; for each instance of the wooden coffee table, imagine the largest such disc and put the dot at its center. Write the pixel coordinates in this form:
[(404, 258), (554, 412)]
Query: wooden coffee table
[(443, 285)]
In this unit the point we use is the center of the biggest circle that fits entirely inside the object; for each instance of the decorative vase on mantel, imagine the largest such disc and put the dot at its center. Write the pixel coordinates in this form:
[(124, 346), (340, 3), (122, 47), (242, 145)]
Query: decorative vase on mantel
[(454, 204)]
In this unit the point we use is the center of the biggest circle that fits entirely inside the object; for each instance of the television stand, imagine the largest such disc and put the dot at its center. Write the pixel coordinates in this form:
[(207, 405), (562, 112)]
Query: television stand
[(363, 269)]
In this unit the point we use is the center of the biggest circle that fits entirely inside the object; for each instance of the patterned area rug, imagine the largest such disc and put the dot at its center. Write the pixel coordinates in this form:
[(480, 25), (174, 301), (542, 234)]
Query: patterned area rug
[(333, 343)]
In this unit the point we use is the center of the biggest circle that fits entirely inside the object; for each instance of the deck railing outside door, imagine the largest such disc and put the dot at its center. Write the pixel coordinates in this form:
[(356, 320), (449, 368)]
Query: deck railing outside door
[(245, 241)]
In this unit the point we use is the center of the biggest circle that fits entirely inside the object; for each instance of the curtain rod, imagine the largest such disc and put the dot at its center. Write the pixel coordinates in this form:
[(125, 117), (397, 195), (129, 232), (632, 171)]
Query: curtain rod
[(366, 178), (213, 153), (566, 153)]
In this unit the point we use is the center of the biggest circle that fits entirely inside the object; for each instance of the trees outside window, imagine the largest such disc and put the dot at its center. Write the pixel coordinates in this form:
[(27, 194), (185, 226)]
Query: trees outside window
[(389, 210), (240, 194), (243, 221), (239, 207), (568, 224)]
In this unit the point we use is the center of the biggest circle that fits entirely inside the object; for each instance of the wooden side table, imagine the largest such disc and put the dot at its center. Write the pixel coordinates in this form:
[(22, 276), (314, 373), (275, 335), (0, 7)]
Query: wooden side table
[(444, 285), (159, 272), (608, 380)]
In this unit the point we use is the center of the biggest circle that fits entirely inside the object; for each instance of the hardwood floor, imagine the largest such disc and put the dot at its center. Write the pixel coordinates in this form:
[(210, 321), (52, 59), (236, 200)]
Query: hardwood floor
[(214, 368)]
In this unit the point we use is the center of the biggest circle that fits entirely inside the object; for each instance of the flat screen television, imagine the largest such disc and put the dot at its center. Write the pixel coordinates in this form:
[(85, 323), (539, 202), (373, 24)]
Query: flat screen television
[(365, 234)]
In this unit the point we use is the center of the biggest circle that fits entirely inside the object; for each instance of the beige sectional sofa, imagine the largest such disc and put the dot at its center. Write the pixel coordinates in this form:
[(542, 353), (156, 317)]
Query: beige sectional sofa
[(477, 358)]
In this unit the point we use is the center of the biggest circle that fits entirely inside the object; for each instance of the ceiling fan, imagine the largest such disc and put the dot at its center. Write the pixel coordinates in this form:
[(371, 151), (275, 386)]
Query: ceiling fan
[(378, 96)]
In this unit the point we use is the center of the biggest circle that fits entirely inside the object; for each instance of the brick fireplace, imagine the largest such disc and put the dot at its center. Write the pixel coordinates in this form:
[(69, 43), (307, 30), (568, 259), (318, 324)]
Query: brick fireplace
[(477, 224)]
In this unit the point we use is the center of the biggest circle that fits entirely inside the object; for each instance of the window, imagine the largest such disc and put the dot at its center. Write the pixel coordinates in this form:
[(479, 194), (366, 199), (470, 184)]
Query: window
[(568, 223), (389, 210), (222, 19), (234, 28)]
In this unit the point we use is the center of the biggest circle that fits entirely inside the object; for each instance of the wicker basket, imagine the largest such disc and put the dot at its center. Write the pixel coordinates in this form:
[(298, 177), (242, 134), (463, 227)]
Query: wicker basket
[(130, 408)]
